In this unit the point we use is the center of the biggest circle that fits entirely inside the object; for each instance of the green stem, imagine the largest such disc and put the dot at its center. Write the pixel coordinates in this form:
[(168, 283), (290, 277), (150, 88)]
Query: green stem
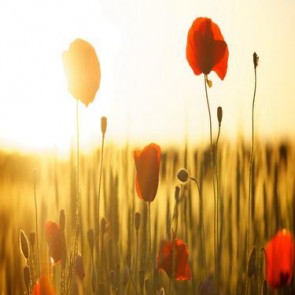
[(214, 188)]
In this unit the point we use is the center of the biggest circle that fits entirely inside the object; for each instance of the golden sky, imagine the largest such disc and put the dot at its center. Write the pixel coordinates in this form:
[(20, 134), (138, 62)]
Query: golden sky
[(148, 91)]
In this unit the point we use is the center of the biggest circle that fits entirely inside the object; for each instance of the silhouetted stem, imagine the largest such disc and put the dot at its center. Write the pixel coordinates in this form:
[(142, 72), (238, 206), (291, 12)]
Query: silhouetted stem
[(251, 167), (213, 167), (251, 175), (98, 209), (37, 239)]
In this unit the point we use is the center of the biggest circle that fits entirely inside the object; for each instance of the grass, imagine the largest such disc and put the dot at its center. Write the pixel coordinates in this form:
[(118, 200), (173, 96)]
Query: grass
[(273, 208)]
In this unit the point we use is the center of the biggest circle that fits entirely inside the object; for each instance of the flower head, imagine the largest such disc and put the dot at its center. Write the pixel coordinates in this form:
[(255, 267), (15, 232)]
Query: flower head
[(82, 70), (206, 49), (279, 254), (178, 269), (54, 240), (147, 162)]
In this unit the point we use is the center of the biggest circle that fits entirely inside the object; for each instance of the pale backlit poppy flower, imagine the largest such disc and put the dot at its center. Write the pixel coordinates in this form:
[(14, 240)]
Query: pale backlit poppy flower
[(82, 70)]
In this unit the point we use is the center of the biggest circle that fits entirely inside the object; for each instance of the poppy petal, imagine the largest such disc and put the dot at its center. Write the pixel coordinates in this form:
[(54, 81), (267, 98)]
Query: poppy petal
[(147, 164), (206, 49), (279, 254)]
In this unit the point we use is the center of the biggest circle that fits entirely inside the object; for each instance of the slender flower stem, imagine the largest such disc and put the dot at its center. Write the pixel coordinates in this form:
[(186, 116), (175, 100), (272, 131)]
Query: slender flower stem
[(217, 197), (77, 183), (202, 225), (214, 188), (98, 208), (36, 221), (150, 235), (250, 196), (251, 166)]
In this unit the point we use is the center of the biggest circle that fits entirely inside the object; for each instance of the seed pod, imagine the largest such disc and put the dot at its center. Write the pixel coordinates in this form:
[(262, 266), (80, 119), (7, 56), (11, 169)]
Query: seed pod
[(137, 221), (27, 278), (219, 115), (251, 265), (62, 220), (177, 194), (90, 236), (24, 244), (103, 125), (182, 175), (255, 60)]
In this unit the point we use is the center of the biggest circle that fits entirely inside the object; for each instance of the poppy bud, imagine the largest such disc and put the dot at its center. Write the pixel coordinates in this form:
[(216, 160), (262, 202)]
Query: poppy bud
[(183, 175), (251, 265), (219, 115), (32, 239), (103, 125), (137, 221), (177, 194), (90, 236), (255, 60), (62, 220), (27, 277), (24, 244)]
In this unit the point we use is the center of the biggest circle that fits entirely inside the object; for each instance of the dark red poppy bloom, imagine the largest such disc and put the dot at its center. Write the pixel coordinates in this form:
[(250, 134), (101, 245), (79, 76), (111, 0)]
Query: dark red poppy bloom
[(206, 49), (147, 162), (54, 240), (279, 253), (179, 251), (82, 70), (43, 286)]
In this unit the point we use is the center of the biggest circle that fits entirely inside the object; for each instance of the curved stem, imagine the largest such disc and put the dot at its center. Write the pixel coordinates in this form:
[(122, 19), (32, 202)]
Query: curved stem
[(251, 167), (213, 167), (251, 175)]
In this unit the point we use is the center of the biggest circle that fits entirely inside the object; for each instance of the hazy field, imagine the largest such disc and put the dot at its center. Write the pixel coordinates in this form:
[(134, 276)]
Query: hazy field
[(274, 196)]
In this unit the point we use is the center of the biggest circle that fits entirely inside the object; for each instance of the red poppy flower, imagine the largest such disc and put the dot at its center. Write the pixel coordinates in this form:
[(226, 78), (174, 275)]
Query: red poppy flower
[(166, 253), (206, 49), (54, 240), (279, 254), (147, 164), (43, 286), (82, 70)]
